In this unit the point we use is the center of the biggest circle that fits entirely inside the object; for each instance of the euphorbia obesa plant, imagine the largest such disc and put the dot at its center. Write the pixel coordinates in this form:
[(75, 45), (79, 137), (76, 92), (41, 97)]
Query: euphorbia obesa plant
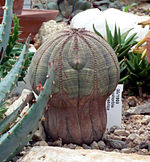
[(86, 73)]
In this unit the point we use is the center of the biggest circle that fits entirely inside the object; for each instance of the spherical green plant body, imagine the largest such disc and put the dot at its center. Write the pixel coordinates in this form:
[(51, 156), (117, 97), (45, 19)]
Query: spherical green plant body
[(86, 73)]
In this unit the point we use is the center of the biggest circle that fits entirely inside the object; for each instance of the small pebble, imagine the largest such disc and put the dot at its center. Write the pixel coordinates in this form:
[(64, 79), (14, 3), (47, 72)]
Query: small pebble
[(101, 145), (41, 143), (94, 145), (144, 145), (72, 146), (85, 146), (116, 144), (121, 132)]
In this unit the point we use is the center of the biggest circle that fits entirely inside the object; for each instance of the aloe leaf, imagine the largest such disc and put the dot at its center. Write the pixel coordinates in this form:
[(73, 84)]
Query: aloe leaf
[(125, 34), (130, 66), (123, 79), (6, 122), (119, 35), (115, 40), (99, 34), (124, 53), (109, 35), (143, 73), (131, 38), (124, 47), (134, 76), (20, 134), (137, 64), (122, 68), (5, 27), (117, 48), (7, 83)]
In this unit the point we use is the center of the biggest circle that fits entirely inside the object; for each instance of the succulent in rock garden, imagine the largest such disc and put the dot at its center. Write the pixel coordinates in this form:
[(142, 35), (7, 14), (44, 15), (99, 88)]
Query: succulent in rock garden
[(138, 78), (86, 73), (12, 127), (67, 8)]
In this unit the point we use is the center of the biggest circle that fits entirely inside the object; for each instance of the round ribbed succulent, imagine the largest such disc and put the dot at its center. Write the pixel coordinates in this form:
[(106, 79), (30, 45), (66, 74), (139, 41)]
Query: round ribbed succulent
[(86, 73)]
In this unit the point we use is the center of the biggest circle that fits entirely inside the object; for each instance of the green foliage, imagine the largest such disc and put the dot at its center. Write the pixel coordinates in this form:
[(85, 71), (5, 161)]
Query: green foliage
[(9, 81), (5, 27), (3, 109), (13, 38), (26, 126), (67, 8), (104, 4), (13, 51), (126, 8), (122, 44), (134, 72), (9, 58), (138, 80)]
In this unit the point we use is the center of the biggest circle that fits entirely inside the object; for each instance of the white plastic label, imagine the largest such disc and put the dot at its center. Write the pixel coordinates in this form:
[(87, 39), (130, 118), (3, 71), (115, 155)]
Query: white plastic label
[(27, 4), (114, 107)]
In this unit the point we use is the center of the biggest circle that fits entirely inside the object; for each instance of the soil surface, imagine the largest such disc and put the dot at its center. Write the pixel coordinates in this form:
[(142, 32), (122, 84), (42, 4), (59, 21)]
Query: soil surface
[(132, 137), (141, 8)]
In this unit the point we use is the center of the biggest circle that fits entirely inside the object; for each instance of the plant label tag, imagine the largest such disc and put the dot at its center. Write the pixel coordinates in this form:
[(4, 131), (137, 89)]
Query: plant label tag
[(27, 4), (114, 107)]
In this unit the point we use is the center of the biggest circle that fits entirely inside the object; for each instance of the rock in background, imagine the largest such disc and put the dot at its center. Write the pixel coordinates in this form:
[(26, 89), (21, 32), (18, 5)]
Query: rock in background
[(124, 20), (47, 30)]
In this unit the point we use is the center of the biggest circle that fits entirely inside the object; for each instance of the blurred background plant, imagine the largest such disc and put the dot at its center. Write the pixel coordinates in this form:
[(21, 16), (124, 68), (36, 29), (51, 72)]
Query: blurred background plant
[(69, 8), (126, 8), (13, 51), (104, 4)]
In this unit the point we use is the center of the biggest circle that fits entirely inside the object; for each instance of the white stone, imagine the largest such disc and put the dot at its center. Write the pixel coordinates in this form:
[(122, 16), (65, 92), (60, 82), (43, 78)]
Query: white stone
[(133, 136), (48, 29), (58, 154), (124, 20), (146, 119), (140, 109), (41, 143), (121, 132), (18, 102)]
